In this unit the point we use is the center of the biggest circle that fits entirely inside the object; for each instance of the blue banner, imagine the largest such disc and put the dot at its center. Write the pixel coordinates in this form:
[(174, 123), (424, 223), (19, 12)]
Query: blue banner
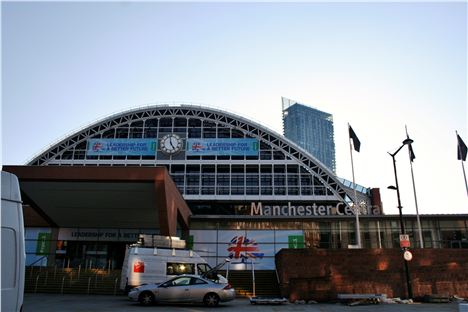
[(233, 147), (133, 147)]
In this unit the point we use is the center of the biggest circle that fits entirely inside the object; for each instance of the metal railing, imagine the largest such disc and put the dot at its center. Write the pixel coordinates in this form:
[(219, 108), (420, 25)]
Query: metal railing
[(72, 280)]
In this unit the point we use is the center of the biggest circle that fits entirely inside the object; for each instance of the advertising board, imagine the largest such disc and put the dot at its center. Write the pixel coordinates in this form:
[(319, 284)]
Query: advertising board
[(118, 147), (232, 147)]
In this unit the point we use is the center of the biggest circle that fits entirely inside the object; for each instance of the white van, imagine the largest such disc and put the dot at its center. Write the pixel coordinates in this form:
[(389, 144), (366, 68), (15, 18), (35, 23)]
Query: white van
[(13, 253), (144, 265)]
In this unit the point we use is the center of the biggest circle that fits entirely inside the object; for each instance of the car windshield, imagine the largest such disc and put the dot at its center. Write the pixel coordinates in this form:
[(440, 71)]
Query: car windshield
[(179, 281)]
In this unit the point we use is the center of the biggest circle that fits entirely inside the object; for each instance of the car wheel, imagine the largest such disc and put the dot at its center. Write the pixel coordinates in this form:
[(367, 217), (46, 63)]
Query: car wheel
[(211, 300), (146, 298)]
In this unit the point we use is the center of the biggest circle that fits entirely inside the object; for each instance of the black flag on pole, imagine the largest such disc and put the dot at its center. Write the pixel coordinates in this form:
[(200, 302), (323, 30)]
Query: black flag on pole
[(462, 149), (411, 152), (410, 147), (353, 136)]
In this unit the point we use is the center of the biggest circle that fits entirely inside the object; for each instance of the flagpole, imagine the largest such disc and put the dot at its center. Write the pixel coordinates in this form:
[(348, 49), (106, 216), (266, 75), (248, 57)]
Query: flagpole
[(464, 175), (461, 159), (421, 241), (356, 206)]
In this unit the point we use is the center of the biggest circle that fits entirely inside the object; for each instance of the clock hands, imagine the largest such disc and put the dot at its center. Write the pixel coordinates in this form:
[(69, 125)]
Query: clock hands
[(170, 142)]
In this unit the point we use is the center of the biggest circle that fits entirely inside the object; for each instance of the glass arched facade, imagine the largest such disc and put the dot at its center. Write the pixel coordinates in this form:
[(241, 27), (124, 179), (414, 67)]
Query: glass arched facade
[(280, 170)]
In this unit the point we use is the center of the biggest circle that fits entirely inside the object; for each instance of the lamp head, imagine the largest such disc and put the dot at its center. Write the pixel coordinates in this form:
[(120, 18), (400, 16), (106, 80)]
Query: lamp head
[(407, 141), (391, 187)]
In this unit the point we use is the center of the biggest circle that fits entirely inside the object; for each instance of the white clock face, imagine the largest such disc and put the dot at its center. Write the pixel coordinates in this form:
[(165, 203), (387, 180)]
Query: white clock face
[(171, 143)]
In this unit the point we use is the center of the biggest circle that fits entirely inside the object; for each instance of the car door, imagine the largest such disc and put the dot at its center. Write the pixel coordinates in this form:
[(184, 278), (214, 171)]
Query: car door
[(198, 289), (175, 290)]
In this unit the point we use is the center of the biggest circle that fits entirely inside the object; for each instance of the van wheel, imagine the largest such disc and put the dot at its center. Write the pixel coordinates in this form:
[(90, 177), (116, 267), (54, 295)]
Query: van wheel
[(211, 300), (146, 298)]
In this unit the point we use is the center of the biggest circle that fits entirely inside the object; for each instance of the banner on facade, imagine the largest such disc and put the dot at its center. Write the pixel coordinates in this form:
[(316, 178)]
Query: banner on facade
[(43, 244), (122, 147), (295, 241), (109, 235), (226, 147)]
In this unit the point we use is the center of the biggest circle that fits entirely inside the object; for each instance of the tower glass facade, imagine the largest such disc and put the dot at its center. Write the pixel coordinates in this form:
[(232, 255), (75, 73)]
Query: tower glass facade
[(311, 129)]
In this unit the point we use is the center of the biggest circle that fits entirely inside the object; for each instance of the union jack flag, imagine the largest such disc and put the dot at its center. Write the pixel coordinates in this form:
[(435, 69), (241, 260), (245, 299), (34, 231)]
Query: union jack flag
[(243, 248), (97, 146), (197, 147)]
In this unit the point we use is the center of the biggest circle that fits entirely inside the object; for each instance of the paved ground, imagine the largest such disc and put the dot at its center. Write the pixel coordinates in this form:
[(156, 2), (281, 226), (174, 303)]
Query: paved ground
[(82, 303)]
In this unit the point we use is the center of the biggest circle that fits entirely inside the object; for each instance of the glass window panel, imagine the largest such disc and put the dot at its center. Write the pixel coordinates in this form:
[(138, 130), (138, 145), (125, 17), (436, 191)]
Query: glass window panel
[(280, 190), (252, 190), (208, 190), (193, 169), (194, 123), (151, 132), (177, 169), (180, 122), (224, 132), (223, 169), (109, 134), (279, 179), (79, 155), (136, 132), (208, 168), (278, 155), (293, 191), (151, 123), (137, 124), (237, 133), (81, 146), (121, 133), (223, 190), (165, 123), (279, 168), (237, 169), (265, 155)]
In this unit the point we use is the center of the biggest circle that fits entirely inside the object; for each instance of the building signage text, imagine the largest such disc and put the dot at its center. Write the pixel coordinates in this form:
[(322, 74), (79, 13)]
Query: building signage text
[(247, 147), (307, 210), (121, 147)]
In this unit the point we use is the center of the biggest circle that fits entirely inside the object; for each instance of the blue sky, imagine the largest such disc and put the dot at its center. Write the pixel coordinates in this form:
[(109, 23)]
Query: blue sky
[(377, 66)]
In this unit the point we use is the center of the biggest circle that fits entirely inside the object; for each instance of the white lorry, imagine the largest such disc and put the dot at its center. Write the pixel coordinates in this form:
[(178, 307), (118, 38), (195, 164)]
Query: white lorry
[(156, 259), (13, 252)]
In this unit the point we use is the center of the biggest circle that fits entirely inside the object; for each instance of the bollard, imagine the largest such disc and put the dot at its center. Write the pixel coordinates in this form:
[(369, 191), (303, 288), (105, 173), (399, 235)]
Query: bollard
[(115, 285), (68, 265), (32, 269), (89, 284), (37, 280), (63, 282), (79, 271)]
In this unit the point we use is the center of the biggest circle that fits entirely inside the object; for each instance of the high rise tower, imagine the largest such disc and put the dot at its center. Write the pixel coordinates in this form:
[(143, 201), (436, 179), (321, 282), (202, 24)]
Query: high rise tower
[(311, 129)]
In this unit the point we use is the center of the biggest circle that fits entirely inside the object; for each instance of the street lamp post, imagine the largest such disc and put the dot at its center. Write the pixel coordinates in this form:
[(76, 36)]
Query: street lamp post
[(402, 225)]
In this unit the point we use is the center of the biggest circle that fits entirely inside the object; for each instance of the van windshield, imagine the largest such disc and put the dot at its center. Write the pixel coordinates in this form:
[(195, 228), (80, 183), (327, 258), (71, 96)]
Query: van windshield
[(173, 268)]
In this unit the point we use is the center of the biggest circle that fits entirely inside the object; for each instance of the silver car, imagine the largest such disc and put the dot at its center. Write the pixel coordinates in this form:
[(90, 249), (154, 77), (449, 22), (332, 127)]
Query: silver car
[(184, 288)]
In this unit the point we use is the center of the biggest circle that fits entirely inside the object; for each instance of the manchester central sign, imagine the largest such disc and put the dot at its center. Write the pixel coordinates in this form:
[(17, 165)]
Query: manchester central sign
[(307, 210)]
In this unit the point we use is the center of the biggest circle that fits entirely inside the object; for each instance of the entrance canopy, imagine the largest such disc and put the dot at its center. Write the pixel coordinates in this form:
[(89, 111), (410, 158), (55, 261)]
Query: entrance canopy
[(102, 197)]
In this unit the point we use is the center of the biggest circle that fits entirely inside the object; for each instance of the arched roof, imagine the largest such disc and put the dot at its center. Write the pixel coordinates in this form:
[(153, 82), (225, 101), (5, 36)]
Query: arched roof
[(230, 120)]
